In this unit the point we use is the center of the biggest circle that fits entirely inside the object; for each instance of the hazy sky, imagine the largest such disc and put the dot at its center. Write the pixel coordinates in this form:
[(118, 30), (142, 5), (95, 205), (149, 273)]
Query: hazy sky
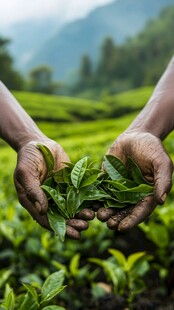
[(18, 10)]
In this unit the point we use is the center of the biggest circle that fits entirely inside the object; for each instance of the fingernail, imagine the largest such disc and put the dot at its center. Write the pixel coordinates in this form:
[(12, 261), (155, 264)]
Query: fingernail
[(38, 206)]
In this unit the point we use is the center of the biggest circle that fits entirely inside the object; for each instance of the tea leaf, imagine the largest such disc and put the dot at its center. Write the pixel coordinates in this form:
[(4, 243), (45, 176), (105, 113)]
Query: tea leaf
[(74, 264), (32, 291), (114, 273), (28, 302), (91, 192), (69, 165), (135, 194), (58, 199), (78, 172), (90, 177), (74, 201), (128, 183), (115, 184), (48, 156), (67, 175), (110, 203), (134, 258), (10, 300), (57, 223), (52, 286), (120, 258), (49, 182), (136, 172), (115, 167), (62, 175), (58, 176)]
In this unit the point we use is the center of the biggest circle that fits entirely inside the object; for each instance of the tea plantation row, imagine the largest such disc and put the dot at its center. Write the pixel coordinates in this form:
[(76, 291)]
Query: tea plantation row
[(29, 254)]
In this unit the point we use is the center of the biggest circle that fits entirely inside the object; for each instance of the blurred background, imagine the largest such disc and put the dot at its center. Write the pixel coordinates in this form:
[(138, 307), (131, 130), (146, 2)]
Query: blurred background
[(93, 64), (84, 48)]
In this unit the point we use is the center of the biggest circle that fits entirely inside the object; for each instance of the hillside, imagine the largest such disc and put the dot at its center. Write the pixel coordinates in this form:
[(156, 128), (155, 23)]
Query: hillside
[(138, 62), (83, 126), (120, 20), (92, 137), (62, 109)]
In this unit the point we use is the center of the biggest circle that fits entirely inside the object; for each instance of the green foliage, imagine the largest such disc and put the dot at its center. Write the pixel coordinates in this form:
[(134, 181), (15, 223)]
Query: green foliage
[(67, 191), (28, 251), (125, 273), (59, 108), (138, 61), (41, 80), (85, 74), (76, 274), (70, 187), (31, 299), (49, 159), (8, 75)]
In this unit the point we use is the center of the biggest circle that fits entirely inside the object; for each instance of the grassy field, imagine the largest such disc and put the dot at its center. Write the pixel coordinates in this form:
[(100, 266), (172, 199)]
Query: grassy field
[(62, 109), (67, 109), (91, 138), (30, 253), (87, 138), (84, 127)]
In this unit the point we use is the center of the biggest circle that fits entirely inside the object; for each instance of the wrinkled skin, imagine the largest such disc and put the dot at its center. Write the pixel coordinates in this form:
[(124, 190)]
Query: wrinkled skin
[(30, 173), (148, 152)]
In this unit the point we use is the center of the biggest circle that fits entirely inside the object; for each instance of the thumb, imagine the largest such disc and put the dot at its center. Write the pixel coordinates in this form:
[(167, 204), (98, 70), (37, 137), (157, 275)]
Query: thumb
[(163, 169)]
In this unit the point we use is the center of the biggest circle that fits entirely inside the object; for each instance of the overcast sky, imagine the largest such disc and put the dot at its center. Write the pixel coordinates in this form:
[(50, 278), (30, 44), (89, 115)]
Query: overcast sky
[(13, 11)]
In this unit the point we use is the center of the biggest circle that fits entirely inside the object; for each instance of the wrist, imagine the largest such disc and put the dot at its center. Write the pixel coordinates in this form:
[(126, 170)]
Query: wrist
[(33, 137), (156, 118)]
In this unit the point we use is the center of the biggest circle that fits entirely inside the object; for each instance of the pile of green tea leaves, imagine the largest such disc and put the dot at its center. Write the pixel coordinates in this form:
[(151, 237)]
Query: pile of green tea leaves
[(77, 186)]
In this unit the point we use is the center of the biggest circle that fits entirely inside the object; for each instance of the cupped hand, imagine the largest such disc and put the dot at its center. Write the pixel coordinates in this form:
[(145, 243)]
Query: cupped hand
[(150, 155), (30, 173)]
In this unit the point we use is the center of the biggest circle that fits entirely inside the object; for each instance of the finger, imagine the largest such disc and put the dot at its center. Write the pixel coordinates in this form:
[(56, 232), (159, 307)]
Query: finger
[(31, 208), (72, 233), (103, 214), (78, 224), (32, 190), (138, 214), (116, 218), (85, 214), (163, 169)]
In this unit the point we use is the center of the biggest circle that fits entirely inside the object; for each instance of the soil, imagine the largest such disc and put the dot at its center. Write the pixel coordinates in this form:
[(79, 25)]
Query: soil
[(158, 295), (143, 302)]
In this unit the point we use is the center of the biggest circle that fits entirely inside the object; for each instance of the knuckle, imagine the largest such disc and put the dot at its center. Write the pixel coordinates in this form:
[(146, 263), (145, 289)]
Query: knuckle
[(86, 214), (112, 224), (72, 233)]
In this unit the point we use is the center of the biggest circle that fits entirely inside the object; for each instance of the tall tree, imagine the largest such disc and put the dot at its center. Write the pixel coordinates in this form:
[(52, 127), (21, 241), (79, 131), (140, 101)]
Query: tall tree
[(85, 71), (10, 77), (41, 80), (105, 68)]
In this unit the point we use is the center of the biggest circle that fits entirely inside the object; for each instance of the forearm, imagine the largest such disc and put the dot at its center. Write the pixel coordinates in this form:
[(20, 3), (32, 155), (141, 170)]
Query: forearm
[(16, 126), (157, 117)]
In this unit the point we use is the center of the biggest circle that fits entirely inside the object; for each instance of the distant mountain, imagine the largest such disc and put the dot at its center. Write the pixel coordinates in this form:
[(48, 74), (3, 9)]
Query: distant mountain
[(62, 51), (28, 36)]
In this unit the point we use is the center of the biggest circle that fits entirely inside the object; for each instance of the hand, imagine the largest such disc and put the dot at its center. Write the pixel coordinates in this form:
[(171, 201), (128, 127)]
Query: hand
[(149, 154), (30, 173)]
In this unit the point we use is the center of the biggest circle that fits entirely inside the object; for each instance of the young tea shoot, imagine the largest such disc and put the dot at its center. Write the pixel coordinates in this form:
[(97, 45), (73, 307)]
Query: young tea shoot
[(79, 185)]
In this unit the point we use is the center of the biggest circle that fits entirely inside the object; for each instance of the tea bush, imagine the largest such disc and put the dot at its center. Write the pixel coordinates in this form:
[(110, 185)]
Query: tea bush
[(29, 254)]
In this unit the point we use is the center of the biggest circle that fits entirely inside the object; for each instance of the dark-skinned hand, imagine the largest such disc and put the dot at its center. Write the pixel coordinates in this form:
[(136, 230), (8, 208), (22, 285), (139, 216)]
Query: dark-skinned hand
[(30, 173), (149, 154)]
